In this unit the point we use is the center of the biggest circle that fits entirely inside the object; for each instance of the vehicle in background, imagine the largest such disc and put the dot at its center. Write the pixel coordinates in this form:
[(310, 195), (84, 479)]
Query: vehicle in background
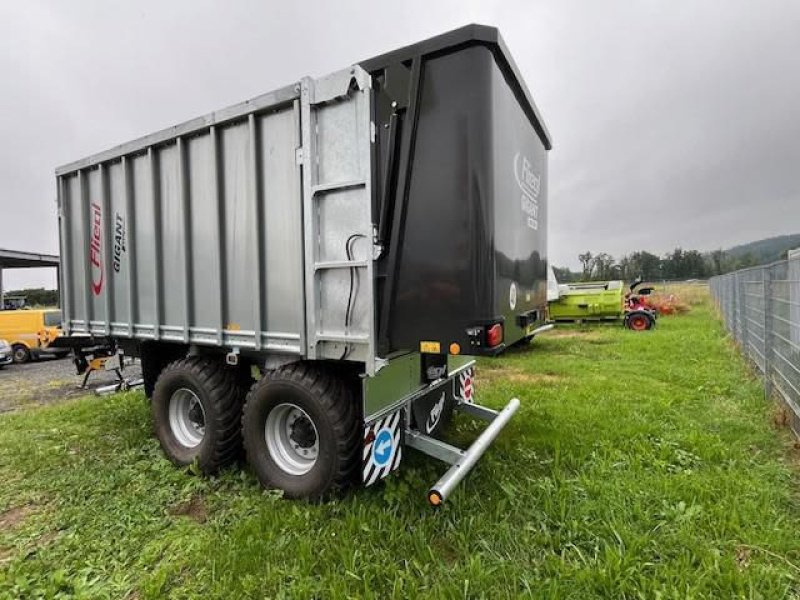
[(640, 314), (6, 357), (602, 301), (31, 333), (588, 301), (14, 303)]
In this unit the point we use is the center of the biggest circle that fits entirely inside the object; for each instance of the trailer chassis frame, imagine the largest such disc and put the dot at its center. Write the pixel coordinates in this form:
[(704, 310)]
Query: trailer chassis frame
[(398, 418)]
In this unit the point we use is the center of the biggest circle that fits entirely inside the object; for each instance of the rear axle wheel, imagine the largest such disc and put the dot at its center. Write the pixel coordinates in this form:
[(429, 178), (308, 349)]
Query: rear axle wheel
[(301, 431), (197, 407)]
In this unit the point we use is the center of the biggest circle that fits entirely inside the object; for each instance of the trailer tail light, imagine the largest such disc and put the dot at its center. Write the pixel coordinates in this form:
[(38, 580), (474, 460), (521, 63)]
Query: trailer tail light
[(486, 338), (494, 335)]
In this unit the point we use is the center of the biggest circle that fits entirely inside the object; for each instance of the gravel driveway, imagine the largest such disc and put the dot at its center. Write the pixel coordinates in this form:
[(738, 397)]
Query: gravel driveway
[(47, 381)]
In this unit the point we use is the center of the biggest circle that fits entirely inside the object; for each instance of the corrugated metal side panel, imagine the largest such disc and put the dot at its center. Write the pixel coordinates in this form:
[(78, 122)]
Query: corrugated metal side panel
[(96, 227), (145, 257), (195, 239), (239, 242), (76, 257), (282, 224), (117, 244), (204, 225), (173, 284)]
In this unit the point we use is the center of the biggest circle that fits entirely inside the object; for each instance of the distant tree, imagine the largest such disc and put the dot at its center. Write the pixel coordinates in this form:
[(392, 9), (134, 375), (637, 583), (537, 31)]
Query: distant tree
[(717, 260), (602, 267), (672, 264), (625, 267), (680, 263), (694, 265), (586, 263), (641, 263), (744, 261)]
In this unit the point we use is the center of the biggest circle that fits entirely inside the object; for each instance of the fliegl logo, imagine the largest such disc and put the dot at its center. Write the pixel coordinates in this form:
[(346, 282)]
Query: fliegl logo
[(96, 249), (530, 184), (435, 415)]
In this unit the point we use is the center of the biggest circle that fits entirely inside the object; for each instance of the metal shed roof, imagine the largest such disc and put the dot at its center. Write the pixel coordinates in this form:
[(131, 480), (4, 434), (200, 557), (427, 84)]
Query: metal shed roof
[(15, 259)]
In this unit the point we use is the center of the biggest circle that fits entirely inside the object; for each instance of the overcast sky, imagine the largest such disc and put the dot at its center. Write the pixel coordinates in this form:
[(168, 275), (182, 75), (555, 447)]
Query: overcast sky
[(675, 123)]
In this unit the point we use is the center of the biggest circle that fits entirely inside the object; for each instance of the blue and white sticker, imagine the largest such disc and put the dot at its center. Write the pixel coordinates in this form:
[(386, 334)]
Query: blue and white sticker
[(382, 449)]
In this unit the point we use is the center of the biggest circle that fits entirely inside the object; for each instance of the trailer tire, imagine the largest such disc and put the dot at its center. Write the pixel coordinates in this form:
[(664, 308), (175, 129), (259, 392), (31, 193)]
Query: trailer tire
[(194, 390), (300, 431)]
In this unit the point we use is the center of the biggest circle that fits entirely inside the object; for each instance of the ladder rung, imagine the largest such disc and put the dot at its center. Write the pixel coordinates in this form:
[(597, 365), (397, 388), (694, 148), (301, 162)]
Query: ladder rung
[(340, 264), (339, 185)]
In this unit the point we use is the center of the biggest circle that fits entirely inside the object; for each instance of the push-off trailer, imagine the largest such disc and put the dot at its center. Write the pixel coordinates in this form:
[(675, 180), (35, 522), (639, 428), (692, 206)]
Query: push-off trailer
[(356, 237)]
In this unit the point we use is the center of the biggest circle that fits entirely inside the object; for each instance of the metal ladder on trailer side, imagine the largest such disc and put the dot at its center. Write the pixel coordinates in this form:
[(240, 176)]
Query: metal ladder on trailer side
[(336, 206)]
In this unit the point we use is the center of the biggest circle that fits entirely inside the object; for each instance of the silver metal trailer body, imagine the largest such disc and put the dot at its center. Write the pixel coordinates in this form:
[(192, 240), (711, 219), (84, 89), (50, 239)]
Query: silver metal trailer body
[(230, 230)]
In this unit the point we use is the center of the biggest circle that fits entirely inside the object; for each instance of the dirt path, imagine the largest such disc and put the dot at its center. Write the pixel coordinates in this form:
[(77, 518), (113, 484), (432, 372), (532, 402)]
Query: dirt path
[(47, 381)]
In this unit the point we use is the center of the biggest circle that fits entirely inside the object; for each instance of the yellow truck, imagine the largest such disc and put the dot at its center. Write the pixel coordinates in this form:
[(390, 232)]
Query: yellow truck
[(31, 332)]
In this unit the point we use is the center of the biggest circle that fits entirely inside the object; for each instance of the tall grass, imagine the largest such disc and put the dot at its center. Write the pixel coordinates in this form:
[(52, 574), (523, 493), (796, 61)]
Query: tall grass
[(691, 294)]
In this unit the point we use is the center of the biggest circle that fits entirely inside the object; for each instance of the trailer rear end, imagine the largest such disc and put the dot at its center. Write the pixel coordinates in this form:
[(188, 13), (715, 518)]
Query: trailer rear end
[(357, 238)]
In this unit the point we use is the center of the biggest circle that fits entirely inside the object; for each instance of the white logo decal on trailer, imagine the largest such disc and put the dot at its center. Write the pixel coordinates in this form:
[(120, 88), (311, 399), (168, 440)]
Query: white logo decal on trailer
[(530, 184), (435, 415)]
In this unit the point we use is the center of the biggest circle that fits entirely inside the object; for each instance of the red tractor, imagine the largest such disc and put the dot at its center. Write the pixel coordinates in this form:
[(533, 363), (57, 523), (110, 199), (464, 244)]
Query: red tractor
[(640, 314)]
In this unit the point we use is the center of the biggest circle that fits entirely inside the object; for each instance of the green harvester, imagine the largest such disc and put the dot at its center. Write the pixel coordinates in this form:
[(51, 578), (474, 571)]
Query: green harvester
[(588, 301)]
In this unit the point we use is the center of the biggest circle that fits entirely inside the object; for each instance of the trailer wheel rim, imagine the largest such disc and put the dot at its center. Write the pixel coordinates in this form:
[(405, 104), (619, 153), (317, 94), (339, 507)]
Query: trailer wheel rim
[(292, 439), (187, 418)]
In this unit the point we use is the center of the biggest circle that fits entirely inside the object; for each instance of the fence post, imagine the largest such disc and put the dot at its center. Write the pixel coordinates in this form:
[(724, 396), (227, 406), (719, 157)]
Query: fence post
[(767, 331), (734, 326), (741, 289)]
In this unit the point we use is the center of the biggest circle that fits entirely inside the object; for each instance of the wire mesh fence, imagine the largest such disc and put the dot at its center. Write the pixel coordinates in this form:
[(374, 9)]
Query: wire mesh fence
[(761, 308)]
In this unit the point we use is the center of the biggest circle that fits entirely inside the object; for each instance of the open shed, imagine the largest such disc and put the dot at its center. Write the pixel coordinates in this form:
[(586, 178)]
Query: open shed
[(15, 259)]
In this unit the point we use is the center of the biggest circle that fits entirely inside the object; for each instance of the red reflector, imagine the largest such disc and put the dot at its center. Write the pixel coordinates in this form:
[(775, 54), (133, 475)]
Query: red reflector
[(494, 336)]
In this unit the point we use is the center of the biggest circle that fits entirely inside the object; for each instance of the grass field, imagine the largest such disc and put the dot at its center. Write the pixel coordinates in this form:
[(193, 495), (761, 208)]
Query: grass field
[(641, 465)]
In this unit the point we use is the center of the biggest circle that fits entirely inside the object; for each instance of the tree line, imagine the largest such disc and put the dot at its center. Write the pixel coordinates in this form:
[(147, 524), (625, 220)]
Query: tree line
[(678, 264), (36, 296)]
